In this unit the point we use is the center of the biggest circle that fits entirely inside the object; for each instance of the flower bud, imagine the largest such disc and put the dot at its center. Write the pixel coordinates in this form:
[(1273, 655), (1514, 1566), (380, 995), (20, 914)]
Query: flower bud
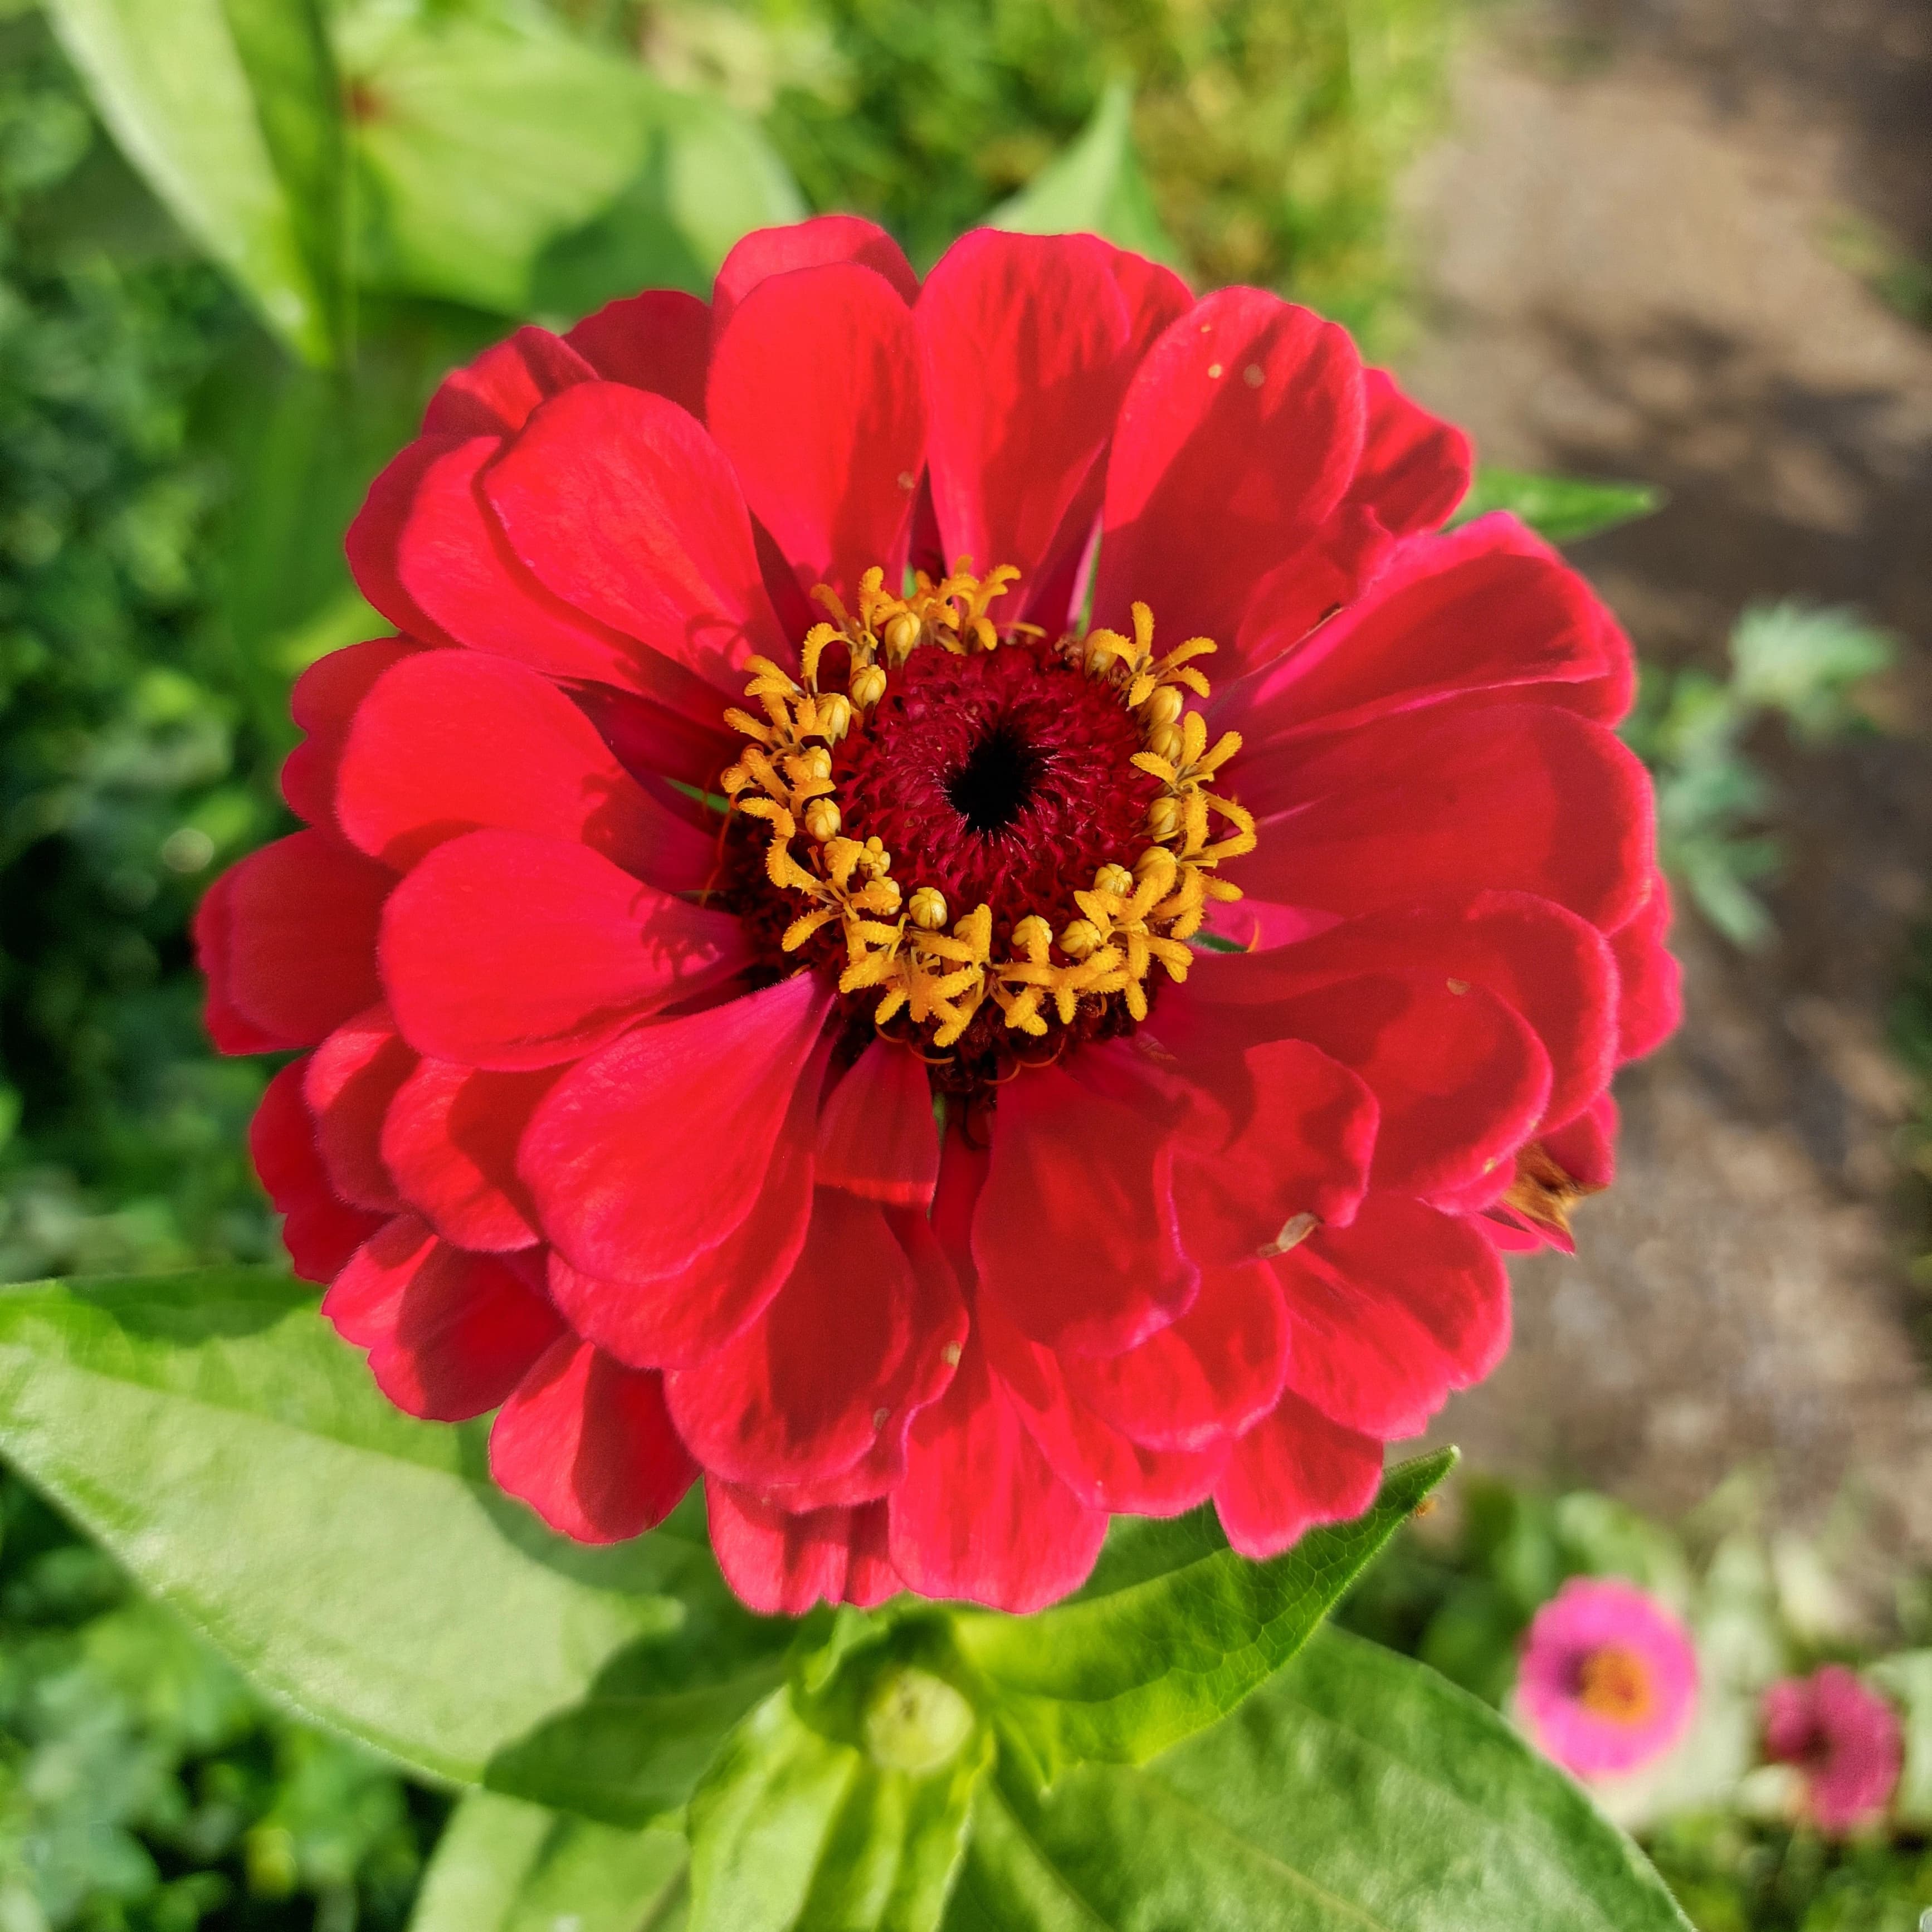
[(1033, 934), (835, 717), (1164, 707), (1165, 741), (901, 634), (868, 686), (927, 908), (1081, 939), (821, 819), (1114, 879), (1164, 817)]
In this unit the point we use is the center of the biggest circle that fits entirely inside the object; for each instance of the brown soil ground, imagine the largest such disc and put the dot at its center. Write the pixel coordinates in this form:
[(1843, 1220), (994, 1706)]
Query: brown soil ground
[(1625, 275)]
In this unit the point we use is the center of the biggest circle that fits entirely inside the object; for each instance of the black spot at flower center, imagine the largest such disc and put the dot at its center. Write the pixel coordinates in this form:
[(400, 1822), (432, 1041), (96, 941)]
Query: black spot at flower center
[(992, 787)]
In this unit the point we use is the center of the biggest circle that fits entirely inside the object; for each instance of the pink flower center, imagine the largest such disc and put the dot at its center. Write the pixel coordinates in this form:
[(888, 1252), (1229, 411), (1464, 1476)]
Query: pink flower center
[(1615, 1683)]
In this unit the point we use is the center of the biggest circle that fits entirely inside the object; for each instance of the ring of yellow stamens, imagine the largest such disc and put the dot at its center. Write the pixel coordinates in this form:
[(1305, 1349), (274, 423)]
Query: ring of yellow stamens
[(896, 940)]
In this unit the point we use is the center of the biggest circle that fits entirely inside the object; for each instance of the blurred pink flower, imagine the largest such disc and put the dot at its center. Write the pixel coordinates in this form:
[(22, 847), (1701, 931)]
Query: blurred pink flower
[(1843, 1736), (1608, 1680)]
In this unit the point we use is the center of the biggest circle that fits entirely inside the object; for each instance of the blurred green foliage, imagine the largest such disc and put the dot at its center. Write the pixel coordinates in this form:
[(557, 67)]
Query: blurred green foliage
[(125, 758), (144, 1789), (1799, 663), (1271, 133)]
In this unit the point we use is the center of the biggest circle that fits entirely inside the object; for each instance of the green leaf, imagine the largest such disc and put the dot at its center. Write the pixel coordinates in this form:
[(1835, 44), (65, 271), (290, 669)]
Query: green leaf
[(798, 1826), (176, 81), (1561, 508), (1172, 1632), (512, 168), (212, 1432), (504, 1866), (284, 50), (1357, 1792), (1097, 186)]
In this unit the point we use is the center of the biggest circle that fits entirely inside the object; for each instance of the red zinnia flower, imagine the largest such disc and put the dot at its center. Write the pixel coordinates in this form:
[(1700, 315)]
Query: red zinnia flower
[(883, 1146)]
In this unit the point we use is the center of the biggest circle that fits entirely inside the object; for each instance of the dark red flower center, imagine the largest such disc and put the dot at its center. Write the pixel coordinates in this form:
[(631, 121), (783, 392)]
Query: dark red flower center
[(1004, 778)]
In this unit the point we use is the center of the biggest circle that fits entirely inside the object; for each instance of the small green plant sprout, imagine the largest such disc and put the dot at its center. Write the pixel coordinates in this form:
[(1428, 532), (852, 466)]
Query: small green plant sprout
[(1803, 663)]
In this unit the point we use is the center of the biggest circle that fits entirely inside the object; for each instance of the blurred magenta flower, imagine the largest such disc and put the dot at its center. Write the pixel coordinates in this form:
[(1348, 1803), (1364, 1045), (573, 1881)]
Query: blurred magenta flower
[(1608, 1680), (1843, 1736)]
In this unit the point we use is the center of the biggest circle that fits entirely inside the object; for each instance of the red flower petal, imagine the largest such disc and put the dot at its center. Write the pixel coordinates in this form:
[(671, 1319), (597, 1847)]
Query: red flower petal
[(1414, 468), (815, 244), (321, 1230), (1390, 1314), (586, 1443), (688, 1316), (660, 340), (852, 1345), (1290, 1473), (780, 1565), (1295, 1134), (1213, 1373), (1319, 584), (1104, 1468), (1650, 981), (352, 1076), (1461, 1079), (232, 1031), (428, 552), (451, 741), (1487, 608), (1027, 344), (1586, 1148), (1074, 1233), (1155, 296), (651, 737), (287, 938), (449, 1334), (876, 1135), (980, 1514), (815, 397), (618, 503), (1551, 967), (323, 703), (647, 1155), (494, 395), (1238, 437), (450, 1139), (1440, 805), (558, 951)]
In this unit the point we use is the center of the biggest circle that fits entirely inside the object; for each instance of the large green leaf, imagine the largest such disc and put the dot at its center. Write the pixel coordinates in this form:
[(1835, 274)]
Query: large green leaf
[(1172, 1633), (177, 81), (514, 168), (805, 1823), (1097, 186), (212, 1432), (1560, 508), (504, 1866), (1357, 1792)]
